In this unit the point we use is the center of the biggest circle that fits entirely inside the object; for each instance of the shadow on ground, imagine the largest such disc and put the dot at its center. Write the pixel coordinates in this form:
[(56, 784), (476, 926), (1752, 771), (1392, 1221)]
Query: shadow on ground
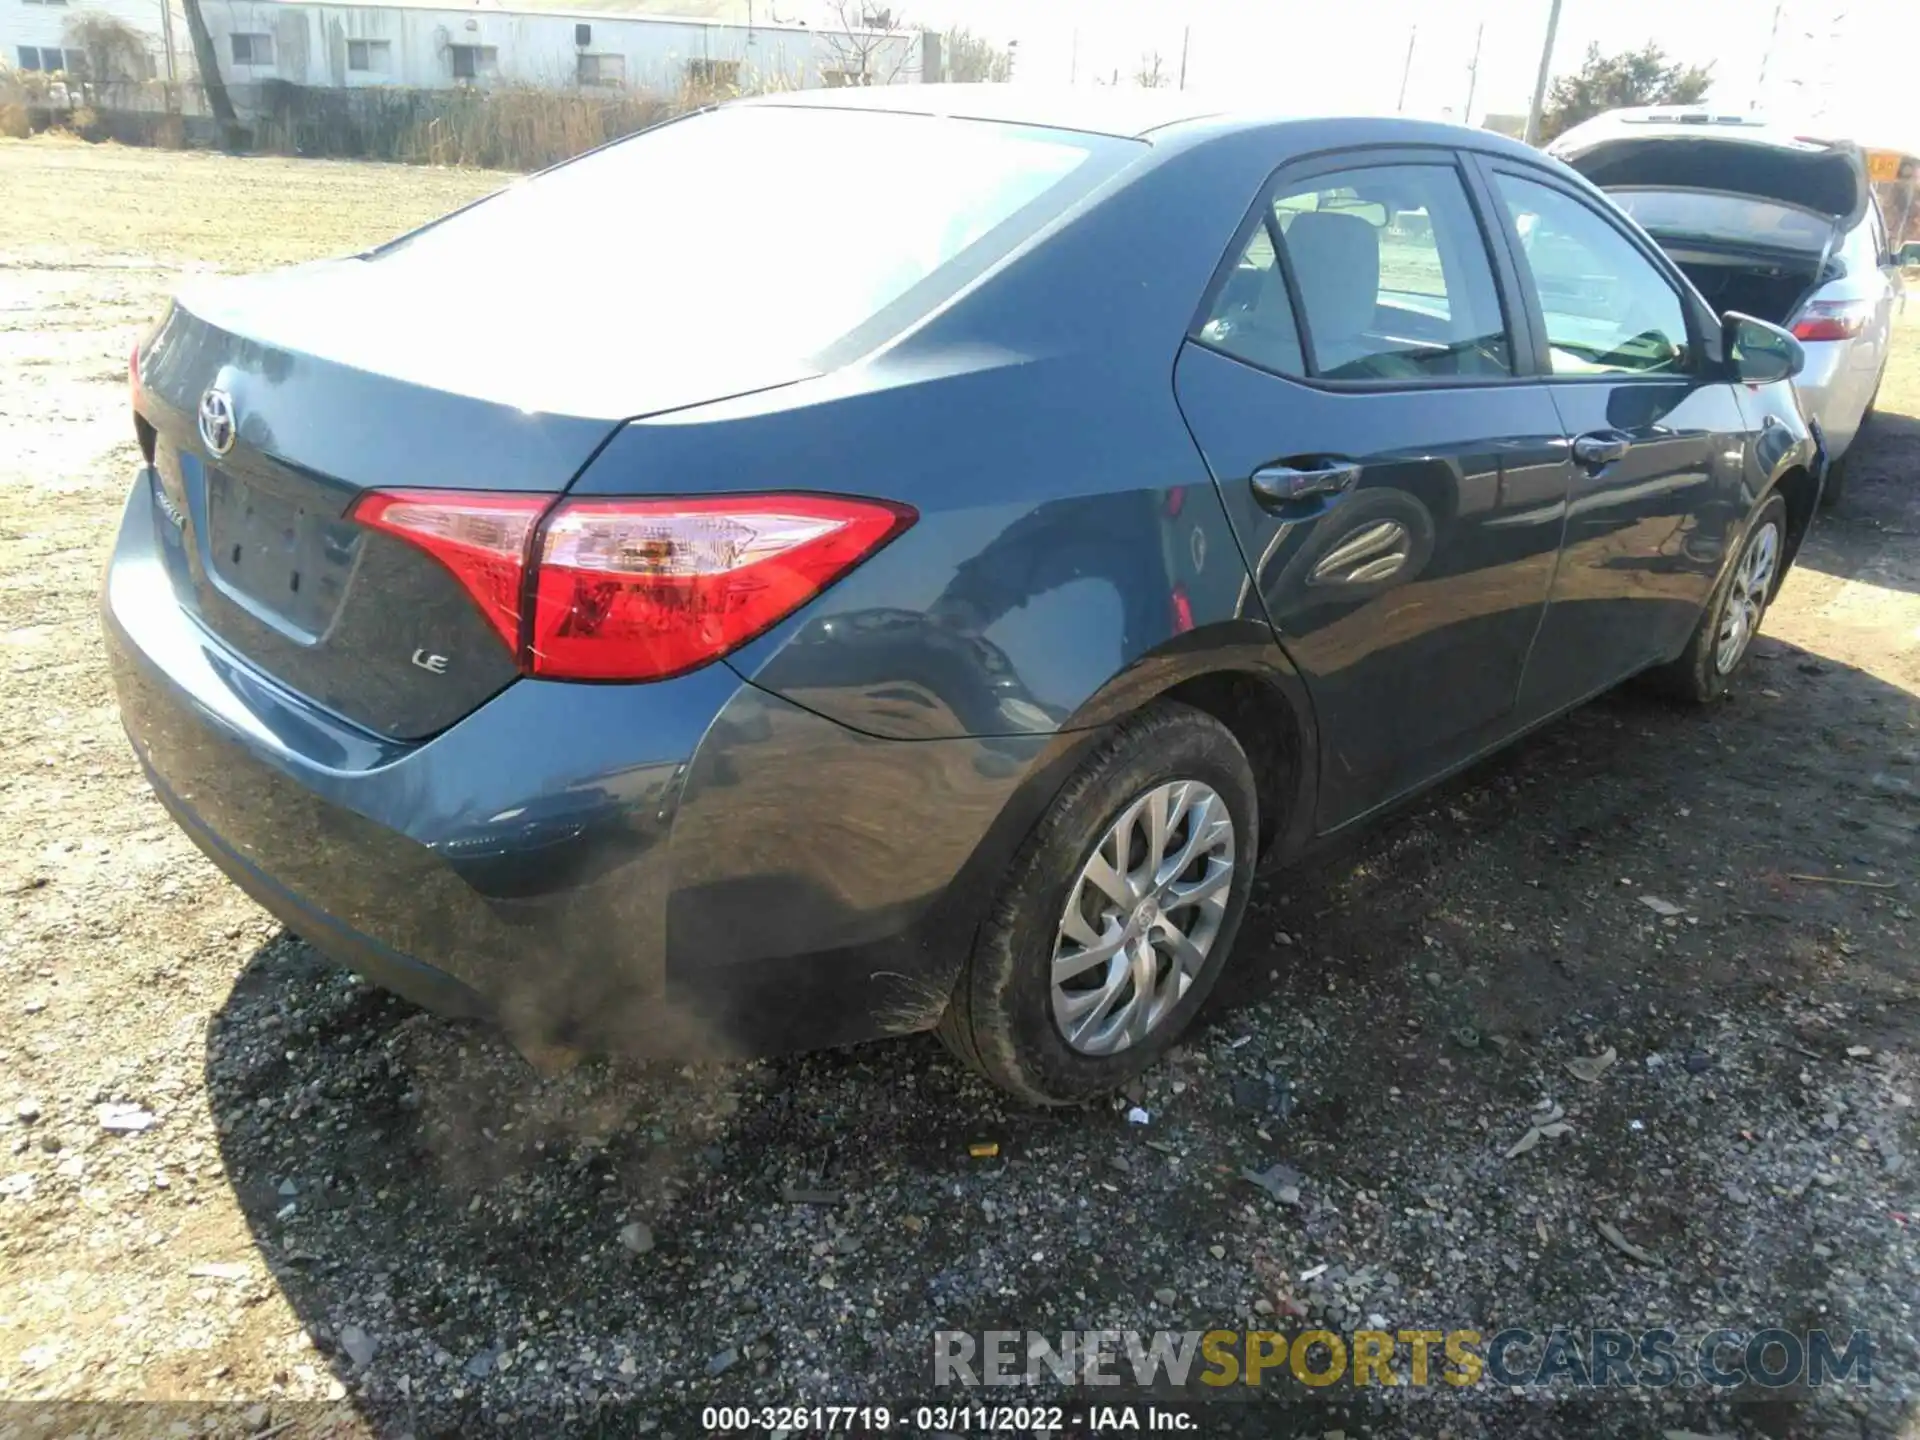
[(1882, 469), (1391, 1015)]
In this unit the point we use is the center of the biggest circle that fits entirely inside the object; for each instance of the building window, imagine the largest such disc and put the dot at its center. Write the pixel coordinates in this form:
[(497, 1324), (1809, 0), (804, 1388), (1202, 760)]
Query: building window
[(50, 58), (252, 49), (472, 61), (603, 70), (372, 56), (713, 74)]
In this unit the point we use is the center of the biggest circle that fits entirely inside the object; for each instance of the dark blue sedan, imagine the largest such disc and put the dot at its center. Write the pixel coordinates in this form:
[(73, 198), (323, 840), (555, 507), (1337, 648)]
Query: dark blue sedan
[(840, 565)]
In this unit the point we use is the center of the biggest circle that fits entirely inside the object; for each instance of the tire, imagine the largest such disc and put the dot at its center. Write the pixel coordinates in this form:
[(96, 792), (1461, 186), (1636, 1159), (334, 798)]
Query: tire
[(1701, 675), (1002, 1020)]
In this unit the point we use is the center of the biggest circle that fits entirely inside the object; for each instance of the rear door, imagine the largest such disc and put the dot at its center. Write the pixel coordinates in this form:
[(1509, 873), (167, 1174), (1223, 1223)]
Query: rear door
[(1658, 437), (1397, 488)]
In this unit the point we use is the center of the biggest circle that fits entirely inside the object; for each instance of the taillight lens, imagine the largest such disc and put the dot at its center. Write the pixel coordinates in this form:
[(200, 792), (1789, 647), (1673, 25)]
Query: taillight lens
[(636, 589), (482, 539), (643, 589), (1832, 319)]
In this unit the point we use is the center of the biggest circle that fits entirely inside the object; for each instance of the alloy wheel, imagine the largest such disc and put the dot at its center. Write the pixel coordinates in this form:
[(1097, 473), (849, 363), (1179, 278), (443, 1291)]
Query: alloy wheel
[(1142, 917), (1747, 599)]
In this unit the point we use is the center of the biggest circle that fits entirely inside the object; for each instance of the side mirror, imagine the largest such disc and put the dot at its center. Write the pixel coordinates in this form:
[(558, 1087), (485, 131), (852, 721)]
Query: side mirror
[(1760, 353)]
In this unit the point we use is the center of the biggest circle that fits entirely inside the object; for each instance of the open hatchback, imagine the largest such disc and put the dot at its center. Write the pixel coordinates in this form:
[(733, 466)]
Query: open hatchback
[(1764, 221)]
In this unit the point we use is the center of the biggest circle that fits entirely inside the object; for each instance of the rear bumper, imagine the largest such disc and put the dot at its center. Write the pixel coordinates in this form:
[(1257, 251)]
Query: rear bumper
[(693, 867), (402, 974)]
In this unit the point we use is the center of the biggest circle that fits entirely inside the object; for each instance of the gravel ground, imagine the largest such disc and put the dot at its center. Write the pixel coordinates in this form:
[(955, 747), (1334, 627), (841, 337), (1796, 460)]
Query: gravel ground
[(234, 1174)]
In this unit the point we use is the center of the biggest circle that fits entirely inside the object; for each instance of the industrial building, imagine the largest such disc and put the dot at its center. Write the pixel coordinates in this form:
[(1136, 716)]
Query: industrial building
[(345, 44)]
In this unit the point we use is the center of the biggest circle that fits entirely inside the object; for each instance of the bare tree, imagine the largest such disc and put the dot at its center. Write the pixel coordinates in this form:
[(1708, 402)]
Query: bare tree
[(866, 45), (1152, 74), (115, 51), (970, 58)]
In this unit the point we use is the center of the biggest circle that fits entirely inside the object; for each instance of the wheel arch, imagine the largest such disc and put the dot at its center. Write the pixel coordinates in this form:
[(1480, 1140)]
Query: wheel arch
[(1796, 485), (1237, 673)]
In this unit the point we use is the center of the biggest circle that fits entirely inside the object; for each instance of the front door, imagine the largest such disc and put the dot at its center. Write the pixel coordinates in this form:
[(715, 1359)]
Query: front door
[(1658, 442), (1399, 493)]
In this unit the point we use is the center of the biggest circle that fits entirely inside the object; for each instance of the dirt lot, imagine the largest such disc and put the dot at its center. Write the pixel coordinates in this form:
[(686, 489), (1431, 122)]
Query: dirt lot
[(343, 1199)]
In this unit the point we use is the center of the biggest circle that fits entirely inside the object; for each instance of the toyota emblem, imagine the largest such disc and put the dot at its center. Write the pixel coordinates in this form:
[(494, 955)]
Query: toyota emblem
[(217, 427)]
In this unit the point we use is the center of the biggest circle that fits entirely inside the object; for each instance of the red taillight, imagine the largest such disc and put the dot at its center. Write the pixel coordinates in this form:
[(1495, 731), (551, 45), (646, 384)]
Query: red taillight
[(482, 539), (636, 589), (133, 373), (643, 589), (1831, 320)]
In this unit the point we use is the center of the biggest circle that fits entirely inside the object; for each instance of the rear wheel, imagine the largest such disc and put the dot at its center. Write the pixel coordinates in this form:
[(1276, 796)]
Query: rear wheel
[(1732, 618), (1116, 916)]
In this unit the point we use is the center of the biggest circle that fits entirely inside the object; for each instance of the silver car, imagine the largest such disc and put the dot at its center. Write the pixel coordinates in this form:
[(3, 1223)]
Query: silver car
[(1769, 223)]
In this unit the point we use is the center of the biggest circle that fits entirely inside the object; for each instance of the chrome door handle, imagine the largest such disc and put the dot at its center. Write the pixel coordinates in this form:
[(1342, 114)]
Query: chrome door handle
[(1280, 487), (1601, 448)]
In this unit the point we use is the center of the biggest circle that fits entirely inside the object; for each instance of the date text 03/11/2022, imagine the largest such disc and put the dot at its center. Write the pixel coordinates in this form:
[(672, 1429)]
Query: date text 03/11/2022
[(942, 1419)]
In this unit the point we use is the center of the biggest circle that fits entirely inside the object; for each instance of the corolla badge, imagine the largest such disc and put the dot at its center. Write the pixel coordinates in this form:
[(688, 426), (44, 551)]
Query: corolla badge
[(217, 425)]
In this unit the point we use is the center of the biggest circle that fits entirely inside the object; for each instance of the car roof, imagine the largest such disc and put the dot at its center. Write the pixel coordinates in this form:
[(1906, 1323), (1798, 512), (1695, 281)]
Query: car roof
[(1127, 113)]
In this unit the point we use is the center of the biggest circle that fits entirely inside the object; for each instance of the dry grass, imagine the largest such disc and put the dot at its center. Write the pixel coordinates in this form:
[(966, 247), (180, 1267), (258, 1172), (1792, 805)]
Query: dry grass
[(1900, 391), (509, 128), (65, 199)]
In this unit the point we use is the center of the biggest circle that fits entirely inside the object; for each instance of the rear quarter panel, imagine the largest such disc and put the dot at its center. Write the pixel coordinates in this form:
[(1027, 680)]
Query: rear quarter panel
[(1069, 531)]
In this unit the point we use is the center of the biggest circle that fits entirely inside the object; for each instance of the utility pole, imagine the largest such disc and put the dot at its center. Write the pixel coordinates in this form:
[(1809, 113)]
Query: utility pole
[(1406, 70), (166, 36), (1766, 56), (1186, 38), (1473, 74), (1546, 69)]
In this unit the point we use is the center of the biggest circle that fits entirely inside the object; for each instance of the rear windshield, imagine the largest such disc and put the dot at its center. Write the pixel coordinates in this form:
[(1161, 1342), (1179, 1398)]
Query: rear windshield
[(1734, 219), (782, 228)]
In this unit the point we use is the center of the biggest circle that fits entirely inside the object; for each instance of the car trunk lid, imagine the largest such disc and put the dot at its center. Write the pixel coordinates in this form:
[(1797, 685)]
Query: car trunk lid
[(1828, 178), (334, 387)]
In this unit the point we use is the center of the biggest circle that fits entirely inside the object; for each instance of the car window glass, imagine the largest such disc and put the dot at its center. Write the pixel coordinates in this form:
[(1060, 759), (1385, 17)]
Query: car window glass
[(1392, 274), (1252, 318), (1681, 215), (1608, 311), (780, 257)]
